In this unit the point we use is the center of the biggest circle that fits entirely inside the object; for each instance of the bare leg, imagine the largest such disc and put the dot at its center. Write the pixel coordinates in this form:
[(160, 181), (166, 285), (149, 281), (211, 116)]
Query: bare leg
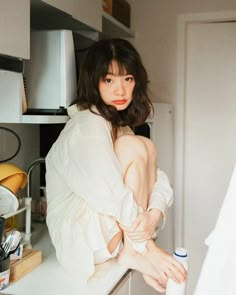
[(138, 157), (152, 162)]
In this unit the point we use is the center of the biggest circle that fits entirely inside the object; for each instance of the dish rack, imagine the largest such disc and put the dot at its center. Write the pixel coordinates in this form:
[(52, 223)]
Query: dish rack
[(27, 209), (27, 206)]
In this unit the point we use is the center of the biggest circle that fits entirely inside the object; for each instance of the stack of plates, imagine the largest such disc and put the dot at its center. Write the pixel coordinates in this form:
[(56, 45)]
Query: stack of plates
[(8, 201)]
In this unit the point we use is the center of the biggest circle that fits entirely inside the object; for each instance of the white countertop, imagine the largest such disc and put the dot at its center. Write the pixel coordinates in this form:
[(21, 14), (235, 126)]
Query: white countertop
[(49, 278)]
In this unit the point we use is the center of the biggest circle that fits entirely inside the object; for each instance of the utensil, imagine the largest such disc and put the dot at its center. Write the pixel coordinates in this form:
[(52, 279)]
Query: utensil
[(2, 227), (11, 243), (2, 253)]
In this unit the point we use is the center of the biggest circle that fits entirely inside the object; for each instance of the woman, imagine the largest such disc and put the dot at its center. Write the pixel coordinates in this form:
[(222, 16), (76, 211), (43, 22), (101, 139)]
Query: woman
[(103, 185)]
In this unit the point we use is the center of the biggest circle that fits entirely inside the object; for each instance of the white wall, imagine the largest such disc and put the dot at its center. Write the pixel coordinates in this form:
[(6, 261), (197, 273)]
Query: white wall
[(155, 23)]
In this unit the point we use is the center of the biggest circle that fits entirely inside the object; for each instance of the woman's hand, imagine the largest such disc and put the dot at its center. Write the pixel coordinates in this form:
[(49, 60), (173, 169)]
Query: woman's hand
[(165, 264), (155, 284), (143, 226)]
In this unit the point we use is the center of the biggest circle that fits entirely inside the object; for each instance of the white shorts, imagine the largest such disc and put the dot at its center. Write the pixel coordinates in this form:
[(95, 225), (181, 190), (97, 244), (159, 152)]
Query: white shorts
[(108, 229), (80, 237)]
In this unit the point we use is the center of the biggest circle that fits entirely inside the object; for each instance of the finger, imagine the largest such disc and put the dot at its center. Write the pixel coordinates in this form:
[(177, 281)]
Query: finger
[(137, 237), (129, 229), (137, 240), (153, 283), (162, 281), (163, 276), (135, 224), (179, 270), (176, 271), (173, 276), (178, 274)]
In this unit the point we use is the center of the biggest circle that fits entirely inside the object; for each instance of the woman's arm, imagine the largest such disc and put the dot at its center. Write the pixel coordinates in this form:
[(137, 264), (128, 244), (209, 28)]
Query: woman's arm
[(162, 195)]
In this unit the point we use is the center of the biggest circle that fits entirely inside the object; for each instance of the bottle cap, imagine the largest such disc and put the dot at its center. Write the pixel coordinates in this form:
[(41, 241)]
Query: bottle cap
[(181, 254)]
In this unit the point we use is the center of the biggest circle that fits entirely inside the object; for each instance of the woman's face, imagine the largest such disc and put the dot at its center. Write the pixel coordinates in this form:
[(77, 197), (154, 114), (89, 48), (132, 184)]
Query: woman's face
[(115, 89)]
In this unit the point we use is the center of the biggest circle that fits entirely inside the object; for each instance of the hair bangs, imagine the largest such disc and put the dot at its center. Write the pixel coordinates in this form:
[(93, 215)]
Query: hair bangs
[(114, 67)]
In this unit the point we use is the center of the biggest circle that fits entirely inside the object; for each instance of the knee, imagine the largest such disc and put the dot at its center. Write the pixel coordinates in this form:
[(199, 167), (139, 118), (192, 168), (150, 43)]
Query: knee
[(151, 148), (131, 146)]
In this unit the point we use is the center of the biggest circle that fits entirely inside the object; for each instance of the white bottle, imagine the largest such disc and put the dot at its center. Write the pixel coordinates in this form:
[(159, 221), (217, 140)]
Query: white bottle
[(172, 287)]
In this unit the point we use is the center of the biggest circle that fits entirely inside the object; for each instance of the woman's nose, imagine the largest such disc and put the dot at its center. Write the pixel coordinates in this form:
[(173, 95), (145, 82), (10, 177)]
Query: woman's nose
[(120, 88)]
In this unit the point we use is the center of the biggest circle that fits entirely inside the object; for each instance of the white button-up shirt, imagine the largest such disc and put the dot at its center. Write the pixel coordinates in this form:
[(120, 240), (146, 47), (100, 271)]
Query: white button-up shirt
[(84, 177)]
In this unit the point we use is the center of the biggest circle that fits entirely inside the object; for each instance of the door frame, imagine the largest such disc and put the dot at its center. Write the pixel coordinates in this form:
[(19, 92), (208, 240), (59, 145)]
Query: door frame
[(183, 21)]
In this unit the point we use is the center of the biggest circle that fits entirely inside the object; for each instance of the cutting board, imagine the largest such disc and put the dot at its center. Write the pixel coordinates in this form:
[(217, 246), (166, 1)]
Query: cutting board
[(29, 261)]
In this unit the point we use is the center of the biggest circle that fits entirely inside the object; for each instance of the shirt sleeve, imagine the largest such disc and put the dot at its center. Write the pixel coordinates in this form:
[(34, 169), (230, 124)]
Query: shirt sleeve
[(95, 175), (162, 195)]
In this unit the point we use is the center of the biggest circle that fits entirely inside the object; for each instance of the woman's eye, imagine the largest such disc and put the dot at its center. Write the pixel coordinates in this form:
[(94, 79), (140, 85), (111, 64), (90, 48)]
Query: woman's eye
[(107, 80), (129, 79)]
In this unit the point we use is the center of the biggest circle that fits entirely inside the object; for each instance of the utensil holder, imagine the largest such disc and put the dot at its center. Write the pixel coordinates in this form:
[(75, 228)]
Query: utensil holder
[(4, 273)]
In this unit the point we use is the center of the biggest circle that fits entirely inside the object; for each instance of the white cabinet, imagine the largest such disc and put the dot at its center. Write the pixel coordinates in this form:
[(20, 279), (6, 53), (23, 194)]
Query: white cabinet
[(133, 284), (89, 12), (11, 88), (138, 286), (123, 287), (10, 96), (15, 28)]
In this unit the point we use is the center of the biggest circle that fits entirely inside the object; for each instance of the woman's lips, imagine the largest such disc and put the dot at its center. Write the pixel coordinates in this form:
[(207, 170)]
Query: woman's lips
[(119, 101)]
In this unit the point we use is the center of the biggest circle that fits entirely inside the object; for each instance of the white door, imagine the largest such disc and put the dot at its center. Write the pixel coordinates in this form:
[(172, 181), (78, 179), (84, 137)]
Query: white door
[(209, 132)]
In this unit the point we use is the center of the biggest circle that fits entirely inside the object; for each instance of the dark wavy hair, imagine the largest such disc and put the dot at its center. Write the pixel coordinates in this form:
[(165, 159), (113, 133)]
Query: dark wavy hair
[(95, 66)]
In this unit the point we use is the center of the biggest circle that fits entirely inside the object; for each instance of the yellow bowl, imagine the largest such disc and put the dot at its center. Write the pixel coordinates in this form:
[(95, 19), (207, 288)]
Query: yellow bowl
[(12, 177)]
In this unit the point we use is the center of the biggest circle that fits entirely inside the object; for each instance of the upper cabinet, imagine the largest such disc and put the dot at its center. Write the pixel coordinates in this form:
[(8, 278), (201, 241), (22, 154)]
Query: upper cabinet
[(15, 28), (84, 16), (69, 14), (87, 12)]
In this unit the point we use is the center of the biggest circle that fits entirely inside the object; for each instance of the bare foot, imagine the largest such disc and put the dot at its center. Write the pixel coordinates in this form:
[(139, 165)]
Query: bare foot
[(154, 284), (165, 264), (130, 258)]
